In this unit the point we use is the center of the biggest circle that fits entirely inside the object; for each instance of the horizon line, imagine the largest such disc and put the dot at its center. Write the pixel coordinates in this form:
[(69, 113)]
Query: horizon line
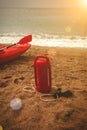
[(41, 7)]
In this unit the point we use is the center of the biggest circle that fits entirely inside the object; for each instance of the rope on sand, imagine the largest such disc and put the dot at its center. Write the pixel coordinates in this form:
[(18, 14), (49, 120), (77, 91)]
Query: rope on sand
[(42, 97), (28, 89)]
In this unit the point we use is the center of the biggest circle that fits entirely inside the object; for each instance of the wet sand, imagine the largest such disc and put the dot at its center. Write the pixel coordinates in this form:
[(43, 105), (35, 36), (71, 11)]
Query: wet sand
[(69, 72)]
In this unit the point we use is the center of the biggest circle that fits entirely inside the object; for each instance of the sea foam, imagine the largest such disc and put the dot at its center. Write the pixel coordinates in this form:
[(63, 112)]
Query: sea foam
[(47, 40)]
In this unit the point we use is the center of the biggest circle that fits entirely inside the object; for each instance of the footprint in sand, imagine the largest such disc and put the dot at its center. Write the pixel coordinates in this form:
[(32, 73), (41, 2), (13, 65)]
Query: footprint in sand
[(7, 77), (18, 80), (4, 84), (65, 116)]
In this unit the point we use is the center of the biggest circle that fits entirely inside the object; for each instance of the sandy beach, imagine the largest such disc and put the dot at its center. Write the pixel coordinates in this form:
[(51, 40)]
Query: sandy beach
[(69, 72)]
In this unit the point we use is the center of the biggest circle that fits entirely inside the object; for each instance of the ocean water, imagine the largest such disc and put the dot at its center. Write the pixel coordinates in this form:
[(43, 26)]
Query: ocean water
[(49, 27)]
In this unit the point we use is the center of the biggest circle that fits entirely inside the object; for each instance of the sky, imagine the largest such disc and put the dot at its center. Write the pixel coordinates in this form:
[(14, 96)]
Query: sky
[(39, 3)]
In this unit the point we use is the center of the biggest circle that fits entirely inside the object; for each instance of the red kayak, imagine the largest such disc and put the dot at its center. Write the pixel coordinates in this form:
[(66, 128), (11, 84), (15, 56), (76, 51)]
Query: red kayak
[(13, 51)]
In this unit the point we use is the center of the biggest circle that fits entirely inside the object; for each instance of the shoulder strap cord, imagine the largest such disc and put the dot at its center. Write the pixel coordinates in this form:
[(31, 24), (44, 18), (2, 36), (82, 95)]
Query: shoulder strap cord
[(43, 97)]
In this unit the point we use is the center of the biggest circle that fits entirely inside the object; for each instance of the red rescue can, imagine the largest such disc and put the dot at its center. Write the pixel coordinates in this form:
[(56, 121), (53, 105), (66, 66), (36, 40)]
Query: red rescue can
[(42, 70)]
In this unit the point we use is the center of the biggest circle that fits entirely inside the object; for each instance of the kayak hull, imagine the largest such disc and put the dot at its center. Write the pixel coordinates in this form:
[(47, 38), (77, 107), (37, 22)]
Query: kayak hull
[(13, 52)]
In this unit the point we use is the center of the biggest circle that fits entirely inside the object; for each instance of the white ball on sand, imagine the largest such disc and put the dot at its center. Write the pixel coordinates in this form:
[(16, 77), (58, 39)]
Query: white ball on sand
[(16, 104)]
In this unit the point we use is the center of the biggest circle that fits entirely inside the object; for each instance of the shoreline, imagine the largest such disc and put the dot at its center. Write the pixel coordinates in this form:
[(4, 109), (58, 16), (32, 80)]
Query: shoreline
[(48, 40), (42, 46)]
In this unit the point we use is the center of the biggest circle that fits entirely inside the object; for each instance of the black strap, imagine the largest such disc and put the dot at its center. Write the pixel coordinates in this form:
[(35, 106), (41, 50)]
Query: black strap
[(66, 94)]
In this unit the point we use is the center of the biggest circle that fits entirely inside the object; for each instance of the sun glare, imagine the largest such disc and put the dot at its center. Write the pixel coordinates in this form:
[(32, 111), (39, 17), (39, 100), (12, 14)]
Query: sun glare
[(85, 3)]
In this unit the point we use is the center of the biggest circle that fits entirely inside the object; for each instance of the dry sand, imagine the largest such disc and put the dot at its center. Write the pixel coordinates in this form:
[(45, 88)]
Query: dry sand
[(69, 72)]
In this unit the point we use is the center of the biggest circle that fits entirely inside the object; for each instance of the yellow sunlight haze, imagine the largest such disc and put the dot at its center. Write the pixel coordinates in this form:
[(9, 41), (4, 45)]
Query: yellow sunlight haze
[(84, 2)]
